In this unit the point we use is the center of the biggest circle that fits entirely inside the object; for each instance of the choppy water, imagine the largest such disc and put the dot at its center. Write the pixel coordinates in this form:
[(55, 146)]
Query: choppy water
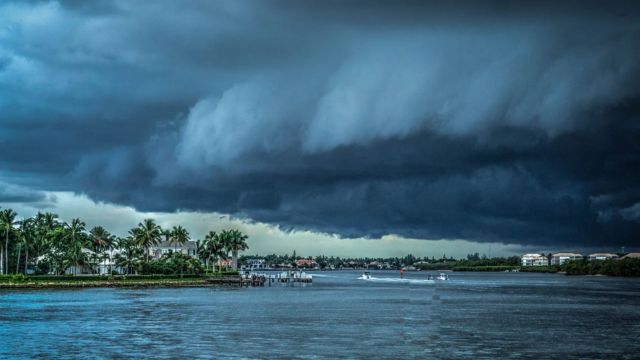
[(474, 315)]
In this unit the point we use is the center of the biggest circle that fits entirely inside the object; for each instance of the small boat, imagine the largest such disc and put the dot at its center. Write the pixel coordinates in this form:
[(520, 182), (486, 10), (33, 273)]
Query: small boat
[(442, 276), (365, 276)]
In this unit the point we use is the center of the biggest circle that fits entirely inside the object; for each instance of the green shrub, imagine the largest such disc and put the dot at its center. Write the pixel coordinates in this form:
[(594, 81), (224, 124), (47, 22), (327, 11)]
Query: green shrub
[(12, 278)]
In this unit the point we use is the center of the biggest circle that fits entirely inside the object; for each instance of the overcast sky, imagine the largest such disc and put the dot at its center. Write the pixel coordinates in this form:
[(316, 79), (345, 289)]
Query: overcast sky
[(380, 127)]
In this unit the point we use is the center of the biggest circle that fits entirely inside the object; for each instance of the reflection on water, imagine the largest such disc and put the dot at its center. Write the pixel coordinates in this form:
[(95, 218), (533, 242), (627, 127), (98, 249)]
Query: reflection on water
[(474, 315)]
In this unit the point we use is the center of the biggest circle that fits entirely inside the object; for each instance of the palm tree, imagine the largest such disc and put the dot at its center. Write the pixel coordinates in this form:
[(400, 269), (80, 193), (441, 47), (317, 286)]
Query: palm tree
[(234, 241), (45, 224), (76, 241), (129, 254), (101, 240), (27, 236), (7, 221), (179, 236), (213, 248), (147, 234)]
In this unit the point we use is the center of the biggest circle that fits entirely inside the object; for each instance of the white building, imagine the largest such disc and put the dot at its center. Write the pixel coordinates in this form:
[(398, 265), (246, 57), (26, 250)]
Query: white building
[(603, 256), (534, 260), (95, 265), (164, 247), (255, 264), (632, 256), (561, 258)]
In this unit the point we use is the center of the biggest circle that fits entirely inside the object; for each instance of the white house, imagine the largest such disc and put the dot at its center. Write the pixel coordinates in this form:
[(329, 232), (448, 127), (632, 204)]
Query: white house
[(561, 258), (97, 265), (534, 260), (603, 256), (164, 247)]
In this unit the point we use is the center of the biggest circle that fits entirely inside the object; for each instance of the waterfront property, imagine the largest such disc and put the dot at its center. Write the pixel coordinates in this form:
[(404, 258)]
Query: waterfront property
[(561, 258), (603, 256), (535, 260), (189, 248), (306, 263), (94, 264)]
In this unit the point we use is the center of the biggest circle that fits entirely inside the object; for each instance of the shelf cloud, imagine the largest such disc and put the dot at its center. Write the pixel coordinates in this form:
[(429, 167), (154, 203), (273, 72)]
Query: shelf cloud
[(491, 122)]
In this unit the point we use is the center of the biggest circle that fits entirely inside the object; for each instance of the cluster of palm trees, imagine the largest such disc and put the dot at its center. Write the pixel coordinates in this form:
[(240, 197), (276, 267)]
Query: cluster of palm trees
[(46, 244), (217, 247)]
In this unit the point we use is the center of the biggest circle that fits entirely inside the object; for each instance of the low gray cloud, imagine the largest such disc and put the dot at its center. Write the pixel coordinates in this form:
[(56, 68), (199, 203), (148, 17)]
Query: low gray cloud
[(10, 193), (485, 122)]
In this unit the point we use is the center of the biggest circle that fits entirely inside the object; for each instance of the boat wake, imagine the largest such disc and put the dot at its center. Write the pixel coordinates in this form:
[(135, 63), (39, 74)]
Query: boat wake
[(396, 280)]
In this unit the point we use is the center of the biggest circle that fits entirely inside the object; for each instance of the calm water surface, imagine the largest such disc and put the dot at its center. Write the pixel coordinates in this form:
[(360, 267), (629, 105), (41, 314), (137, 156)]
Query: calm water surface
[(474, 315)]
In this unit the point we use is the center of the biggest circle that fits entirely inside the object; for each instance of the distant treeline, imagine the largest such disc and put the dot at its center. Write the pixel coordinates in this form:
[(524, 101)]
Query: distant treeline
[(622, 267), (473, 263)]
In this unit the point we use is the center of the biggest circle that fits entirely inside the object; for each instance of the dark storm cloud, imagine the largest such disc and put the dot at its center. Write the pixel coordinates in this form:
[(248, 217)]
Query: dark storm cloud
[(492, 121)]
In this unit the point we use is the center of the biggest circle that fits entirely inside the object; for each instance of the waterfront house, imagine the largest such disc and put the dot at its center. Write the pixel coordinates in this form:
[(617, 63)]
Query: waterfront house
[(224, 263), (164, 247), (93, 263), (306, 263), (603, 256), (632, 256), (561, 258), (534, 260)]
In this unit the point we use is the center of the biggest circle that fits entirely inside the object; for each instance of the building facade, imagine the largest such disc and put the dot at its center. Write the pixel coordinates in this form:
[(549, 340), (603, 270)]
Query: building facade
[(561, 258), (603, 256), (189, 248), (255, 264), (534, 260)]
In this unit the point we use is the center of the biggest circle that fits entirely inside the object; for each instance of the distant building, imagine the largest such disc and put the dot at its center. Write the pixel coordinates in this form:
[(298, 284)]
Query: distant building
[(534, 260), (306, 263), (632, 256), (255, 264), (603, 256), (561, 258), (164, 247), (226, 263)]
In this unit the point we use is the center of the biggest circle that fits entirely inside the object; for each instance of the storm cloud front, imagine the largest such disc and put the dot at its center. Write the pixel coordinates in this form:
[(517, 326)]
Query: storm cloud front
[(487, 121)]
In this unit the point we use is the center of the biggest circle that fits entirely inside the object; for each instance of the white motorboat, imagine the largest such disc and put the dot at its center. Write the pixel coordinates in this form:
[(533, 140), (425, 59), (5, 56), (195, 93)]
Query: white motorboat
[(365, 276), (442, 276)]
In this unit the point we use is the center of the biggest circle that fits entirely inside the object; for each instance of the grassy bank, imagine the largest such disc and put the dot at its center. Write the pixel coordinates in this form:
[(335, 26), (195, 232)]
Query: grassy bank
[(70, 281)]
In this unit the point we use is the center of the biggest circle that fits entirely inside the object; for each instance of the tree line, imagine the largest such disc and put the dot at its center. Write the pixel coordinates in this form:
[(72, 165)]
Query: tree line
[(45, 244)]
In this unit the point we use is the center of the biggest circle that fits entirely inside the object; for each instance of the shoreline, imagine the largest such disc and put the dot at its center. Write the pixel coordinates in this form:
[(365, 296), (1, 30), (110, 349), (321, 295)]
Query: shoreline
[(100, 285), (94, 282)]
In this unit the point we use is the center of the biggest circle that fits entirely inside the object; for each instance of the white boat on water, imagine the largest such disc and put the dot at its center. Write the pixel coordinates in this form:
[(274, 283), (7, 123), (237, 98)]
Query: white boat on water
[(442, 276), (365, 276)]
